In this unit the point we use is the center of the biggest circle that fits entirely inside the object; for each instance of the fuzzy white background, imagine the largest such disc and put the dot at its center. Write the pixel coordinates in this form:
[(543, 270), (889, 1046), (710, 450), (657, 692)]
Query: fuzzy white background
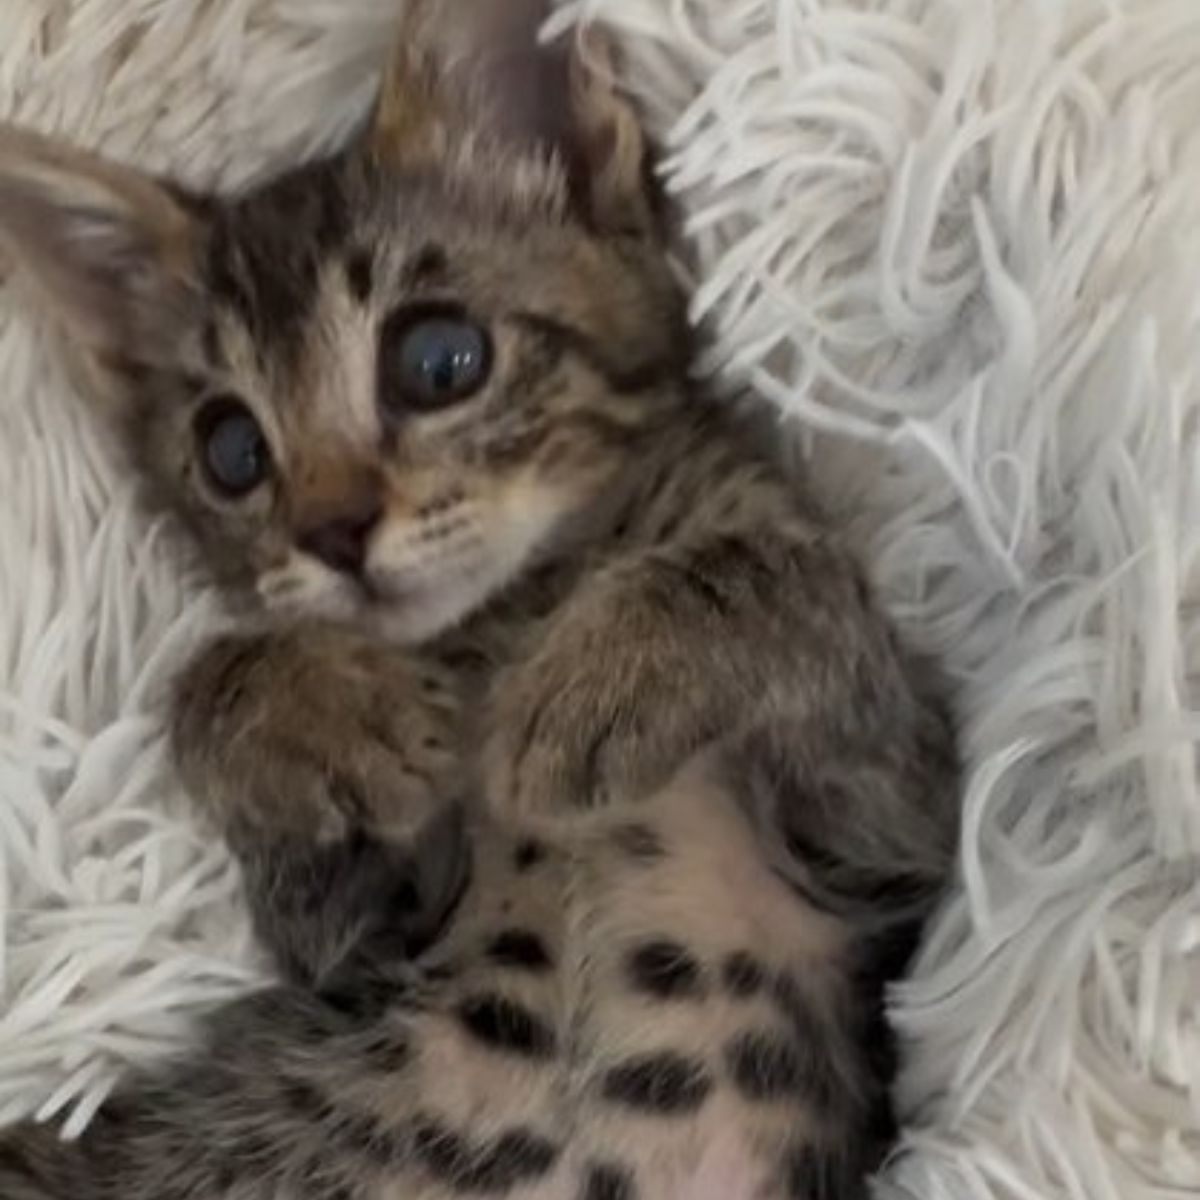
[(959, 242)]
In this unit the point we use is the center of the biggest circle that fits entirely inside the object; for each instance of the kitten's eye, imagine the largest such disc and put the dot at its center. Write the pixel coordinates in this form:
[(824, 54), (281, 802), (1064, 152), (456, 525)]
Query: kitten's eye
[(432, 360), (232, 446)]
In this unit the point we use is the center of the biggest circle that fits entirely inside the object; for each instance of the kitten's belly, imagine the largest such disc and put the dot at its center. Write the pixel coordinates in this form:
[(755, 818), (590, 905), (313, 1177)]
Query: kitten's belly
[(681, 976), (703, 952)]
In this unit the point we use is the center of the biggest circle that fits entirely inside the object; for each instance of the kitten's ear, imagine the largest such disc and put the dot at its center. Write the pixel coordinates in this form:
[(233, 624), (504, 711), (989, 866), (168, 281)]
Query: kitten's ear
[(480, 67), (112, 249), (607, 152)]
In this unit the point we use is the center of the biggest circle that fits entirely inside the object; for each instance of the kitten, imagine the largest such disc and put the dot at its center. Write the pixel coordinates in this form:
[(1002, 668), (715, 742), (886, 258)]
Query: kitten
[(583, 796)]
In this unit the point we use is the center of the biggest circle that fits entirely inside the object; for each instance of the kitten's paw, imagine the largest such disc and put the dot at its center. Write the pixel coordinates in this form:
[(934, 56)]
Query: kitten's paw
[(315, 733), (330, 765)]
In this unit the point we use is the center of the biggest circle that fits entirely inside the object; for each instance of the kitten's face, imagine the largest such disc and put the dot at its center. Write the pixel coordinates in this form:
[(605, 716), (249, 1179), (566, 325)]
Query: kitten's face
[(381, 388), (398, 392)]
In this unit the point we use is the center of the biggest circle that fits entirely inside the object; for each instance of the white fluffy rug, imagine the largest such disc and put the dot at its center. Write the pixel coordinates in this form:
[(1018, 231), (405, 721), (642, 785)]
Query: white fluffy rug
[(959, 242)]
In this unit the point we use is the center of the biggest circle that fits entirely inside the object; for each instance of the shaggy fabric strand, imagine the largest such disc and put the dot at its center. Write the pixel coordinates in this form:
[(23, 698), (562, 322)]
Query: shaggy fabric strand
[(957, 245)]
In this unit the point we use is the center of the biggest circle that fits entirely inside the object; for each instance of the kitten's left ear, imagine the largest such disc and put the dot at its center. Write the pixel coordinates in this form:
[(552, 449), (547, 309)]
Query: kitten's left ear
[(607, 150), (479, 69), (112, 249)]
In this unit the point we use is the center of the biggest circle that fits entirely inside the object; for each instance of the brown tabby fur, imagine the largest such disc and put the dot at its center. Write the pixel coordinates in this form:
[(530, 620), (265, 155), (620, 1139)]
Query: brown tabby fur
[(588, 823)]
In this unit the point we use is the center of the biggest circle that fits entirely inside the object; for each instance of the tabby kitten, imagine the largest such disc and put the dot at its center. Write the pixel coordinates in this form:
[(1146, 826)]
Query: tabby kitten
[(582, 795)]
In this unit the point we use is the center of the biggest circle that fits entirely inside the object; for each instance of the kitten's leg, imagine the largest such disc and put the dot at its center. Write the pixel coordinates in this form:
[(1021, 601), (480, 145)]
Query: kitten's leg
[(851, 825), (330, 764), (761, 624), (264, 1109)]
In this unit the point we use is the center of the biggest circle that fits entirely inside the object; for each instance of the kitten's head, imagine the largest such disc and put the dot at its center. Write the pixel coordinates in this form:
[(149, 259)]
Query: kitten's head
[(382, 387)]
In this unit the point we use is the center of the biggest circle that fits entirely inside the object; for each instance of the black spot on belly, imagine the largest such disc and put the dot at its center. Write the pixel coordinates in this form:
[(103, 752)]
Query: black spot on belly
[(443, 1153), (504, 1025), (520, 949), (665, 969), (639, 842), (743, 975), (518, 1156), (666, 1084), (529, 854), (765, 1066), (608, 1182)]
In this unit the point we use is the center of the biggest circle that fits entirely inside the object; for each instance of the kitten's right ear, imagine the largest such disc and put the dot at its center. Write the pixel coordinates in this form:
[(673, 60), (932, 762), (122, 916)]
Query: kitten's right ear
[(113, 250)]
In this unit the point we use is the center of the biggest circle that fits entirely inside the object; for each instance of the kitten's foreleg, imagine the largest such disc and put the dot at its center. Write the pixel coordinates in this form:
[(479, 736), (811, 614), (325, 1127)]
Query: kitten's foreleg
[(761, 638), (330, 764)]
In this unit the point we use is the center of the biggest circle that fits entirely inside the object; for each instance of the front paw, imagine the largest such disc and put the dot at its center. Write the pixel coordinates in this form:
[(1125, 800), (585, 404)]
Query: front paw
[(314, 733), (330, 765)]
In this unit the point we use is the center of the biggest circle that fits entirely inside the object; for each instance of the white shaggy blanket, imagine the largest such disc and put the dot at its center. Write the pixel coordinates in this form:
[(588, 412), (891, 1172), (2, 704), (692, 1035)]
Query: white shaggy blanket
[(958, 241)]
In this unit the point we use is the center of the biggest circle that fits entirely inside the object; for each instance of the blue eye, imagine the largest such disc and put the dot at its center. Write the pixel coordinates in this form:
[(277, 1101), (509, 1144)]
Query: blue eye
[(233, 449), (433, 360)]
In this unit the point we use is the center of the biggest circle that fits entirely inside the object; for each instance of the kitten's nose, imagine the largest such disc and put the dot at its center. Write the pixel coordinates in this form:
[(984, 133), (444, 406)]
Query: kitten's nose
[(341, 542)]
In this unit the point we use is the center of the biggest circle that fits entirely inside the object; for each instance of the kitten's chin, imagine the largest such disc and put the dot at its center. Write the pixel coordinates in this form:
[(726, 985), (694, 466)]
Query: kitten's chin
[(410, 607), (420, 616)]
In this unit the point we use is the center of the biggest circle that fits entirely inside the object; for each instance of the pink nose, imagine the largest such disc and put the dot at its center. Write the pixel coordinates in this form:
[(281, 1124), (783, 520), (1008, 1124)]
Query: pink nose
[(341, 542)]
